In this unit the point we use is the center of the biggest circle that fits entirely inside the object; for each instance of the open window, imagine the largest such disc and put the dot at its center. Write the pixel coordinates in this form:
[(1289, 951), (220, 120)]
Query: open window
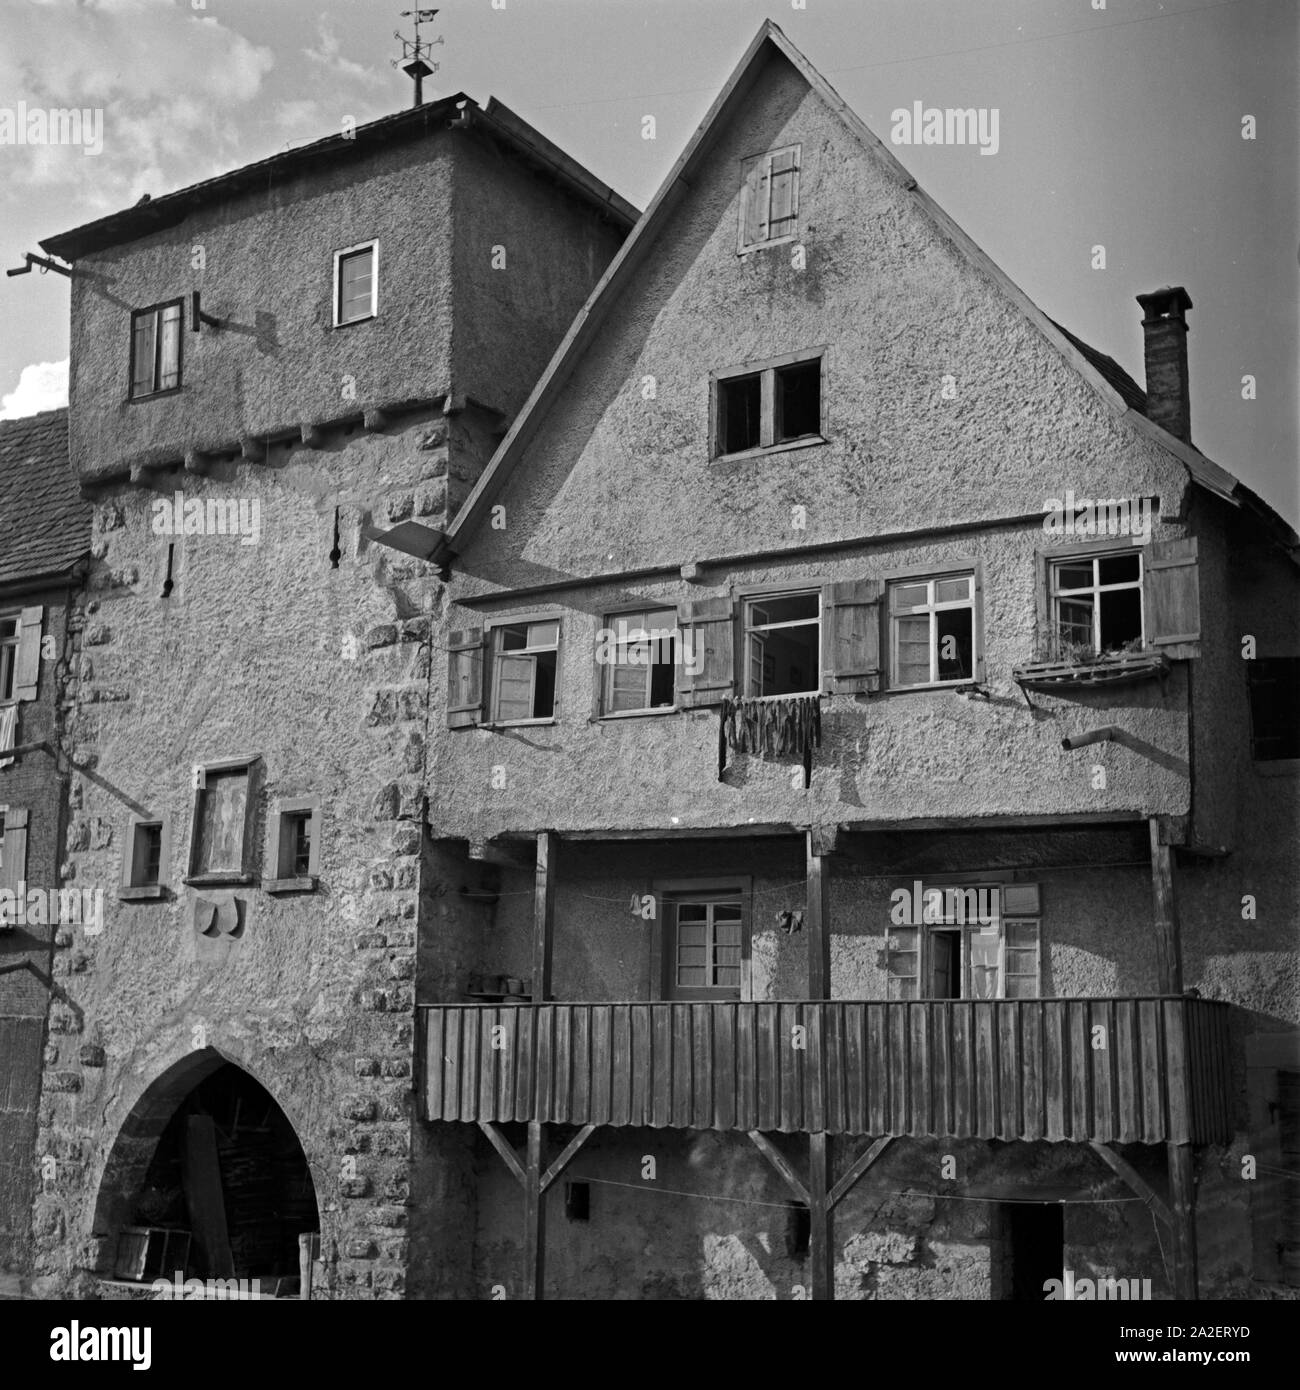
[(769, 405), (13, 863), (20, 654), (156, 350), (1096, 604), (934, 630), (1274, 708), (145, 859), (769, 198), (965, 941), (222, 821), (295, 845), (356, 283), (638, 662), (525, 662), (782, 652)]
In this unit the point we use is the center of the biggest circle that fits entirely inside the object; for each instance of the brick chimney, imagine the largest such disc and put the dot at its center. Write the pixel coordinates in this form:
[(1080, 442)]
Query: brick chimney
[(1164, 326)]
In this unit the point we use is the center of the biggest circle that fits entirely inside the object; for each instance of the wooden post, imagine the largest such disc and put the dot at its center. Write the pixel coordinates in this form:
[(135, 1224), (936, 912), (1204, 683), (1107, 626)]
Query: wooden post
[(1182, 1209), (544, 915), (821, 1222), (1169, 955), (817, 924), (534, 1215)]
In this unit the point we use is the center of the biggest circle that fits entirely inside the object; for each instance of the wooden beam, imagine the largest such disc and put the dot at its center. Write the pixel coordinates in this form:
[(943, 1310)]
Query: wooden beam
[(825, 839), (504, 854), (567, 1155), (1125, 1170), (1169, 954), (534, 1216), (817, 923), (544, 915), (507, 1153), (778, 1161), (821, 1218), (860, 1165), (204, 1197), (1182, 1207)]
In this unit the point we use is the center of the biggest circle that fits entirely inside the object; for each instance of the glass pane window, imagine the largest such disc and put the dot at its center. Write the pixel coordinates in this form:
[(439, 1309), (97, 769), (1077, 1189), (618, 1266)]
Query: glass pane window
[(707, 946), (783, 644), (639, 671), (9, 636), (932, 631), (762, 408), (525, 657), (156, 349), (356, 285), (1096, 605)]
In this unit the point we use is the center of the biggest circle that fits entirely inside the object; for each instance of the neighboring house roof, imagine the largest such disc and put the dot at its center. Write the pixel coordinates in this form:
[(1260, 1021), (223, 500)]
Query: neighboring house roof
[(44, 522), (417, 122), (1116, 388)]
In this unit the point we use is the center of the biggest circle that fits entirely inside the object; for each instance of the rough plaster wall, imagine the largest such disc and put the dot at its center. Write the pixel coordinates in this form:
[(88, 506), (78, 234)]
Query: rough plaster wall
[(901, 755), (554, 252), (277, 360), (261, 649), (904, 1232), (31, 783), (899, 309)]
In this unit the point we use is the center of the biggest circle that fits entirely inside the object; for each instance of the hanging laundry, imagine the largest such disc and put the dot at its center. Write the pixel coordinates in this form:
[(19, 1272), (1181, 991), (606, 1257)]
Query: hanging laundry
[(771, 728)]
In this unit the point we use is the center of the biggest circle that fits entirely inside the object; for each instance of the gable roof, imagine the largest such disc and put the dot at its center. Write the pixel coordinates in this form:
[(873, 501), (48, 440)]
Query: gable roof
[(46, 523), (412, 124), (1115, 387)]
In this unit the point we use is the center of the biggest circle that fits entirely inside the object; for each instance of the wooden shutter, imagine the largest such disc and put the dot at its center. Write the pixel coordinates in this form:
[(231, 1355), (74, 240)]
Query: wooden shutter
[(708, 644), (27, 668), (784, 196), (851, 636), (753, 201), (1171, 598), (465, 678), (14, 869)]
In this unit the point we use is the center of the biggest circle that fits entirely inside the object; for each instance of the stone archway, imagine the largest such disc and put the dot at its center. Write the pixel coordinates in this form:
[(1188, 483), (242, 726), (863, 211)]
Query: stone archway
[(207, 1150)]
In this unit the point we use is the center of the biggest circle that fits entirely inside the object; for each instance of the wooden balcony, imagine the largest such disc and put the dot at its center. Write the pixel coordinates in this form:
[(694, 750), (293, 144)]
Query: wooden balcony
[(980, 1069)]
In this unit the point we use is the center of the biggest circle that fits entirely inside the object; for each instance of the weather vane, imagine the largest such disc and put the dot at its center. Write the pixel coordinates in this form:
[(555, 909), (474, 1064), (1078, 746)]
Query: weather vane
[(413, 51)]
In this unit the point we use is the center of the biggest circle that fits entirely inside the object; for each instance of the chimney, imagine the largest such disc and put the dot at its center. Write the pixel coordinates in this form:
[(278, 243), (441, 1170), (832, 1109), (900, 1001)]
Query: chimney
[(1164, 327)]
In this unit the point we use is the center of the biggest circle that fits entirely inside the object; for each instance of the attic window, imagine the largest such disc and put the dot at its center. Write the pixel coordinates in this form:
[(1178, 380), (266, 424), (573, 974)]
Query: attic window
[(768, 405), (156, 350), (356, 283), (769, 198)]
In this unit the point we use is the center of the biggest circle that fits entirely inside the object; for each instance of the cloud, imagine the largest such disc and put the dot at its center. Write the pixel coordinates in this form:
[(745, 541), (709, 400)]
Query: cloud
[(326, 53), (41, 386)]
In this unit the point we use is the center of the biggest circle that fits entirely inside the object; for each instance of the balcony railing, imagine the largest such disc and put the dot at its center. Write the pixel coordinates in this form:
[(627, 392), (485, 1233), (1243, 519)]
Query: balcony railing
[(1122, 1070)]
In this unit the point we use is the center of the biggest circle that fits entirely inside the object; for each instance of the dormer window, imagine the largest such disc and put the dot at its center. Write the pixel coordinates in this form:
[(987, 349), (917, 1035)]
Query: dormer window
[(769, 198), (356, 283), (156, 350)]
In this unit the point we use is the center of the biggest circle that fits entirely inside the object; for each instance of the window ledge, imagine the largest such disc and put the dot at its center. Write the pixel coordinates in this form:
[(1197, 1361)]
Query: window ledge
[(635, 713), (932, 686), (144, 892), (515, 724), (805, 442), (305, 884), (218, 880), (153, 395), (352, 323)]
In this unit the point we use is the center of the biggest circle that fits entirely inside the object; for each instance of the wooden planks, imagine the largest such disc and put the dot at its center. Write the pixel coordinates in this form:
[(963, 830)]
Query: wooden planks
[(1013, 1069)]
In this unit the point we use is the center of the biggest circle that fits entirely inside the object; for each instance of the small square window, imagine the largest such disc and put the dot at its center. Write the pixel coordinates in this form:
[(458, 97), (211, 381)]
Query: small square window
[(144, 869), (156, 350), (356, 284), (767, 406), (769, 198), (525, 657)]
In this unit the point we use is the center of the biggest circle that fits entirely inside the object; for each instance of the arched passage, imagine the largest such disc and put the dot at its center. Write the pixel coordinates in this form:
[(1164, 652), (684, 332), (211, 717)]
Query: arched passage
[(208, 1151)]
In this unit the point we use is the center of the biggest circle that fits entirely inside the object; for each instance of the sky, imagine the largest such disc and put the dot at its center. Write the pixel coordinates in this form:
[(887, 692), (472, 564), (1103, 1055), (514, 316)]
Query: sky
[(1120, 125)]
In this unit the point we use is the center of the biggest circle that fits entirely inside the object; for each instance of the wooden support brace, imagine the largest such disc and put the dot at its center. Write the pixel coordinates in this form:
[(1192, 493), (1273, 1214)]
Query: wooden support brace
[(567, 1156), (860, 1165), (498, 1142), (821, 1224), (778, 1161), (544, 915), (1125, 1170)]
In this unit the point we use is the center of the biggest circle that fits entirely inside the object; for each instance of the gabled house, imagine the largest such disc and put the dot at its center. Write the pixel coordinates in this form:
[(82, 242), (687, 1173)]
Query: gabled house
[(864, 786), (283, 379), (43, 554)]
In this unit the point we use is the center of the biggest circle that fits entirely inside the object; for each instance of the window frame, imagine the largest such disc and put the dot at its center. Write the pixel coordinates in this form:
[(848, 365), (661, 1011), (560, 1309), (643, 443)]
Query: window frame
[(246, 873), (605, 670), (491, 652), (1048, 556), (1093, 555), (1265, 766), (766, 157), (11, 645), (131, 888), (766, 370), (339, 257), (157, 309), (750, 594), (674, 890), (287, 810), (960, 567)]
